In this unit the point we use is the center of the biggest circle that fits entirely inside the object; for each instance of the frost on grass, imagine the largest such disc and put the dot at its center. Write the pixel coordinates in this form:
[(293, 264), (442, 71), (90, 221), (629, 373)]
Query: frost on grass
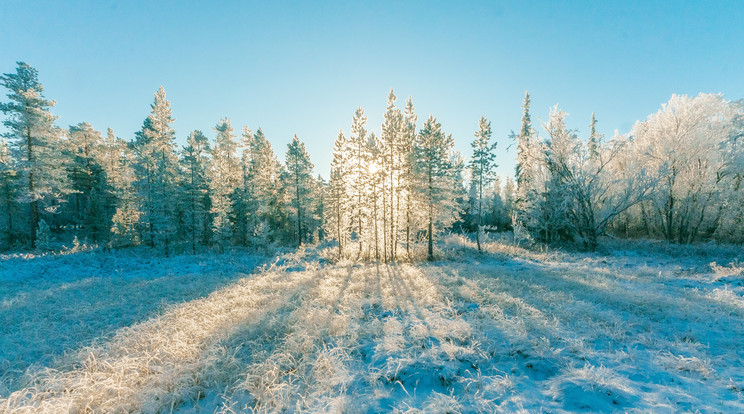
[(507, 331)]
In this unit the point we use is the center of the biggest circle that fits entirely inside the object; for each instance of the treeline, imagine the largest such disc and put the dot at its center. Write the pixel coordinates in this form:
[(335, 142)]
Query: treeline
[(103, 190), (677, 175)]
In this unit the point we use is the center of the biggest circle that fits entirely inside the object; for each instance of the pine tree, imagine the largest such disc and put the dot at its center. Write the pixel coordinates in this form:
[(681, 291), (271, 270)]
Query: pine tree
[(224, 179), (35, 144), (156, 169), (357, 160), (375, 178), (436, 178), (319, 194), (88, 181), (338, 204), (195, 187), (265, 213), (482, 169), (298, 179), (392, 128), (407, 176), (119, 163)]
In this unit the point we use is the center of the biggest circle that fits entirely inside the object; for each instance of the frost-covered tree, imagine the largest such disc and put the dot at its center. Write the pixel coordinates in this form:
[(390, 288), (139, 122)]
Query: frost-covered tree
[(524, 173), (390, 164), (684, 146), (409, 211), (596, 182), (375, 195), (196, 203), (262, 208), (8, 195), (298, 179), (482, 173), (436, 175), (156, 169), (87, 205), (507, 195), (224, 179), (357, 160), (36, 145), (118, 163), (337, 219)]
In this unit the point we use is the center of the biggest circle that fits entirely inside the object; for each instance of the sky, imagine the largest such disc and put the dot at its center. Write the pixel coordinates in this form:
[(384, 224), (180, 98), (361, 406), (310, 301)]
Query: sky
[(304, 67)]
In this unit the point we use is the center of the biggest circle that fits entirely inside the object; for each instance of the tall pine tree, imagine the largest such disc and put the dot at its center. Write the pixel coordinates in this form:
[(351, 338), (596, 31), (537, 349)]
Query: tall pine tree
[(36, 145), (436, 174), (298, 179), (482, 170)]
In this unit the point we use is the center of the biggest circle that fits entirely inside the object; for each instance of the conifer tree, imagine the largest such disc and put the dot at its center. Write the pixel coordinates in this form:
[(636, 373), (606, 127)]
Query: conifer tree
[(524, 172), (266, 215), (8, 195), (298, 179), (594, 138), (375, 178), (407, 176), (338, 204), (157, 170), (88, 181), (357, 161), (119, 163), (224, 179), (392, 129), (482, 169), (195, 187), (436, 174), (35, 144)]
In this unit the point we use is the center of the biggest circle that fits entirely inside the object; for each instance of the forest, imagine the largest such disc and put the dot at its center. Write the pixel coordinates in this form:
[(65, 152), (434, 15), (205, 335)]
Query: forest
[(677, 176)]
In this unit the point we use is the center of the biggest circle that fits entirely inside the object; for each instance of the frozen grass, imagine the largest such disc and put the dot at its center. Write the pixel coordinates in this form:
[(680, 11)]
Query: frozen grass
[(511, 330), (51, 305)]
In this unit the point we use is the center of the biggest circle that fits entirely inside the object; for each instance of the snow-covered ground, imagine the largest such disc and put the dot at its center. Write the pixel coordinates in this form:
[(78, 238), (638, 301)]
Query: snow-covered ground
[(50, 306), (645, 328)]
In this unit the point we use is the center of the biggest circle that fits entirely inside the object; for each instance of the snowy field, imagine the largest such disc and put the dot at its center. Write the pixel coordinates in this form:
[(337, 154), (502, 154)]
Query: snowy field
[(645, 328)]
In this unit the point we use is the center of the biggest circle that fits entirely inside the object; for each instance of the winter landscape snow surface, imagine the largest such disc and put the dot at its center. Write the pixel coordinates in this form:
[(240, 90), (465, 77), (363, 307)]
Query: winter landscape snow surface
[(647, 328)]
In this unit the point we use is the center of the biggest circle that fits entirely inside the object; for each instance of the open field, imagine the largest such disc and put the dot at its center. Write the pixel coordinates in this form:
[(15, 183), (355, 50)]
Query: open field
[(510, 330)]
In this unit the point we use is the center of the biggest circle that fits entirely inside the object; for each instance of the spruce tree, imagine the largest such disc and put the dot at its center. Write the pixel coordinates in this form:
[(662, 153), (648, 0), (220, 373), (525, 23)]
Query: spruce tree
[(594, 138), (224, 179), (524, 170)]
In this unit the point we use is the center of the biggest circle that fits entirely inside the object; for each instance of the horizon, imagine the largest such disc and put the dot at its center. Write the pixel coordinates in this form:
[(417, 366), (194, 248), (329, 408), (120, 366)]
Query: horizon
[(303, 69)]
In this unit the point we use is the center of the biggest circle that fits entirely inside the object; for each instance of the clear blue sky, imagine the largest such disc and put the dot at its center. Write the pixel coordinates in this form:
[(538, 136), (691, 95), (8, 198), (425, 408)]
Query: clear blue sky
[(304, 67)]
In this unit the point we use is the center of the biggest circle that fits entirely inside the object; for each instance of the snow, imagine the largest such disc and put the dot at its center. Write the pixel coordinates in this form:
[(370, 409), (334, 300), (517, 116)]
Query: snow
[(52, 305), (640, 327)]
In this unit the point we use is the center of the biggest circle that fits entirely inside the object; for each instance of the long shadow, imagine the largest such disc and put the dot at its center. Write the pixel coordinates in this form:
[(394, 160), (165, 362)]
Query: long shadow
[(653, 311), (73, 311)]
